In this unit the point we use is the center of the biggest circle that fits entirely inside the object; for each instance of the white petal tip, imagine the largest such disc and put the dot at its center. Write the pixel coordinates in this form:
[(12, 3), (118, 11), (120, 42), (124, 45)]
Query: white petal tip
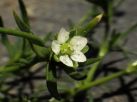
[(55, 46), (78, 42), (66, 60), (78, 57), (63, 35)]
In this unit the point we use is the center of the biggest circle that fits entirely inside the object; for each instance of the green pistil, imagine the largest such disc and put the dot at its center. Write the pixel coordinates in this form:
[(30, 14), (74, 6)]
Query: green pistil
[(66, 49)]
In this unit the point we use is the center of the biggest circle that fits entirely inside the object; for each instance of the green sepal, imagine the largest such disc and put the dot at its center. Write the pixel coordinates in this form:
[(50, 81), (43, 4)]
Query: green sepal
[(75, 65), (85, 49), (56, 58)]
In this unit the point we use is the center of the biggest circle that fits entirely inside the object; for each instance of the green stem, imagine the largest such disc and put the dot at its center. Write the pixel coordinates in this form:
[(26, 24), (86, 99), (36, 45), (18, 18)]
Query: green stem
[(33, 38), (103, 51), (92, 72), (100, 81)]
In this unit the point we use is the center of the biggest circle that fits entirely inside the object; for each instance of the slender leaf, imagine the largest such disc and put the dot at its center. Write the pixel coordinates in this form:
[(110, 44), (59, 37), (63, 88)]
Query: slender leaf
[(25, 46), (51, 80), (4, 37), (117, 38), (83, 31), (23, 12), (23, 27), (21, 43), (5, 40)]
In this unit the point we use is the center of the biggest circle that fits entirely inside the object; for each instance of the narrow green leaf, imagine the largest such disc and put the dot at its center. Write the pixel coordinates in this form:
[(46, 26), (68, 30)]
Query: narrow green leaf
[(117, 38), (22, 26), (23, 12), (132, 28), (26, 24), (5, 40), (83, 31), (21, 43), (4, 37), (127, 53), (8, 69), (51, 80)]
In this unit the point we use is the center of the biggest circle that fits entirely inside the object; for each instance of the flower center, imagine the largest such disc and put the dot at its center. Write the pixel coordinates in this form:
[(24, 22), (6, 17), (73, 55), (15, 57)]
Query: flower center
[(66, 49)]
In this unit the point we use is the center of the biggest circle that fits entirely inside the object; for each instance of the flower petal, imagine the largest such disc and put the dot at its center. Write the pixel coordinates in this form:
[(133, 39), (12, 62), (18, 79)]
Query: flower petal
[(66, 60), (78, 56), (55, 46), (63, 36), (78, 42)]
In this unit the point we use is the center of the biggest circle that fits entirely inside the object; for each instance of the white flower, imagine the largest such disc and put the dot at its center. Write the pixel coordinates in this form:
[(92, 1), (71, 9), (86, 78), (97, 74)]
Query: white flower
[(69, 50)]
